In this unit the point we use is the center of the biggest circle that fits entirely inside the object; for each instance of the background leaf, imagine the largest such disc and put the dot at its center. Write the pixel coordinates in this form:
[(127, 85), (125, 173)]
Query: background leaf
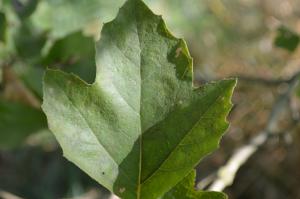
[(17, 121), (75, 53), (2, 27), (24, 8), (62, 17), (287, 39)]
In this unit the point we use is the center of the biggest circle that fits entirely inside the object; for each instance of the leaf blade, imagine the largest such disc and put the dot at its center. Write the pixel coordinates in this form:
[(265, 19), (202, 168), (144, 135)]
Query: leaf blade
[(185, 189), (142, 93)]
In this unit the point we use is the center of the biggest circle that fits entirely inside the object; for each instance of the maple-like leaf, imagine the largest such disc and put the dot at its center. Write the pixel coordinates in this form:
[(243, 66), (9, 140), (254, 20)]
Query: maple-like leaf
[(141, 127)]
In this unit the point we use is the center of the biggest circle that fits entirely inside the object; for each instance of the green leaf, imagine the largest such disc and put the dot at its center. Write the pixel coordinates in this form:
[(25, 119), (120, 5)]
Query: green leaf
[(29, 42), (32, 77), (287, 39), (17, 122), (62, 17), (2, 26), (185, 190), (74, 54), (24, 8), (141, 127)]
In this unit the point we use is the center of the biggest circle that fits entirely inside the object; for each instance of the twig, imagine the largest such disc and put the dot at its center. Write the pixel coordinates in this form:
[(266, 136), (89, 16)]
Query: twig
[(114, 197), (227, 173), (249, 79), (91, 194), (257, 80), (6, 195)]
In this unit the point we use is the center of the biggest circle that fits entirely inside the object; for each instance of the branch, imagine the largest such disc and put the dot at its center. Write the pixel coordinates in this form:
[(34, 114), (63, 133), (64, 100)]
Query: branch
[(227, 173)]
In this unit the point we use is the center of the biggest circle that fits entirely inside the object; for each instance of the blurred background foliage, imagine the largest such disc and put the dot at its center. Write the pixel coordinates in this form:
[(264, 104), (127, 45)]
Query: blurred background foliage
[(255, 40)]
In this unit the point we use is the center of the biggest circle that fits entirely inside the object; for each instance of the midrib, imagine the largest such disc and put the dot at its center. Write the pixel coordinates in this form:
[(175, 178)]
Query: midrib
[(141, 133)]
